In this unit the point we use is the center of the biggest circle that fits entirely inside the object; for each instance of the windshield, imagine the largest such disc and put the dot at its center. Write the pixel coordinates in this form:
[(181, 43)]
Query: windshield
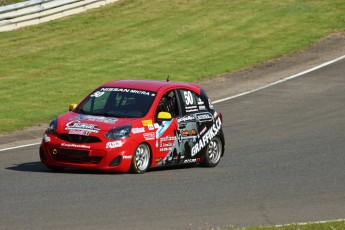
[(117, 102)]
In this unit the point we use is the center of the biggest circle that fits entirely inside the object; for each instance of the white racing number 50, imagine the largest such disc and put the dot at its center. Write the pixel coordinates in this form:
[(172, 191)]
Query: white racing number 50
[(188, 97)]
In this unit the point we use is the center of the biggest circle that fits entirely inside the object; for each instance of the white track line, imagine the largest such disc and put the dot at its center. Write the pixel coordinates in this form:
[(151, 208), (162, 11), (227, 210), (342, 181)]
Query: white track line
[(282, 80), (301, 224), (238, 95), (20, 146)]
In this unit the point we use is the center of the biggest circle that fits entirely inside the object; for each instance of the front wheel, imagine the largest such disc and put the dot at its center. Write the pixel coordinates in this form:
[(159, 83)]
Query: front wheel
[(213, 153), (141, 159)]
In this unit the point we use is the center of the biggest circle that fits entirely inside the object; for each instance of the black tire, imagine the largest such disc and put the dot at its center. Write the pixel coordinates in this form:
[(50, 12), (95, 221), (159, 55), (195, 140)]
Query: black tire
[(141, 159), (213, 153)]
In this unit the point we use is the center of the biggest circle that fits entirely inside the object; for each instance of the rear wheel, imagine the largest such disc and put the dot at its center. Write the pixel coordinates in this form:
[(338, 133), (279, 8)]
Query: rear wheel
[(141, 159), (213, 153)]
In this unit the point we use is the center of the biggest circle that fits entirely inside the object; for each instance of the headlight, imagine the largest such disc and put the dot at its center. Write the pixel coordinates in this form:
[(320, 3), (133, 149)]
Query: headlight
[(52, 126), (119, 133)]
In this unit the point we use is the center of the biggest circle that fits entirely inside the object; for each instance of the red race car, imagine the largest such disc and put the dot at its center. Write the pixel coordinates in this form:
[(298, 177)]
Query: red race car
[(134, 125)]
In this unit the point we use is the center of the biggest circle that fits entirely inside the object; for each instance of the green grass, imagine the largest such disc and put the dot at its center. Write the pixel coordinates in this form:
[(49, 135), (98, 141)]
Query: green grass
[(334, 225), (44, 68), (8, 2)]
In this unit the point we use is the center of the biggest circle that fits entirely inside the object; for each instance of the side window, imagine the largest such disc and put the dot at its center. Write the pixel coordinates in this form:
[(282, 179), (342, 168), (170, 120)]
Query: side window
[(191, 102), (168, 103)]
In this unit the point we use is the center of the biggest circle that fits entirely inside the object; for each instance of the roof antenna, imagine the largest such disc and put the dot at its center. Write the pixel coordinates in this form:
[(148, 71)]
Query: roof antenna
[(168, 78)]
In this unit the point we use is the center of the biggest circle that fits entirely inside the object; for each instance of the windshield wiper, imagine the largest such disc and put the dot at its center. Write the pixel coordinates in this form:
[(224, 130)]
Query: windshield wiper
[(81, 111), (113, 115)]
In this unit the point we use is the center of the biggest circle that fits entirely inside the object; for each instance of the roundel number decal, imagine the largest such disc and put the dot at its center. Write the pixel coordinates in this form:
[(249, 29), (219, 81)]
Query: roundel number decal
[(188, 98), (97, 94)]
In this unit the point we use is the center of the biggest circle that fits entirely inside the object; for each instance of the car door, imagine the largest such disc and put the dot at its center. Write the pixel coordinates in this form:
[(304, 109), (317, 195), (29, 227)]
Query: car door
[(195, 120), (166, 130), (176, 138)]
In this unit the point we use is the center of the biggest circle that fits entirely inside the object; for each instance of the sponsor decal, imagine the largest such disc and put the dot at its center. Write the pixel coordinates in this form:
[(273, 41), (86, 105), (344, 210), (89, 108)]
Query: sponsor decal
[(107, 120), (77, 125), (158, 160), (134, 91), (46, 138), (149, 136), (201, 104), (75, 146), (150, 127), (79, 132), (127, 157), (166, 143), (202, 107), (147, 122), (186, 118), (204, 117), (114, 144), (165, 149), (138, 130), (188, 132), (207, 137), (181, 138), (191, 109), (188, 161), (168, 138), (156, 125), (185, 132), (163, 128)]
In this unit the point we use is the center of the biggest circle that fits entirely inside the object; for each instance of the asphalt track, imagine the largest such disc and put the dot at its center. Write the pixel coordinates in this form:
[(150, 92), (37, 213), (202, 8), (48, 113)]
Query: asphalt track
[(284, 163)]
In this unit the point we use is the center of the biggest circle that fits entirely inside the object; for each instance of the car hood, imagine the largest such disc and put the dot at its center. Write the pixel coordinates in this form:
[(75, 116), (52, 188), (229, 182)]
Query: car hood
[(82, 124)]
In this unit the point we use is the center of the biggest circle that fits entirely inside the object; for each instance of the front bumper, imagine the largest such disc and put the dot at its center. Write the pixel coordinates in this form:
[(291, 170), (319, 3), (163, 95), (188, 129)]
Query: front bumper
[(106, 155)]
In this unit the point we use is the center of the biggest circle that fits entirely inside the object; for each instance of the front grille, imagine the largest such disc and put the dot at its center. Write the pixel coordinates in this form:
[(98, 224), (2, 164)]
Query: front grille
[(79, 138), (76, 156), (74, 153)]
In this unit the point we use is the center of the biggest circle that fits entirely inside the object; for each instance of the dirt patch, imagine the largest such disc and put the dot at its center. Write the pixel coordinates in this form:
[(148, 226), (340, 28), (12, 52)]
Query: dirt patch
[(22, 137), (226, 85)]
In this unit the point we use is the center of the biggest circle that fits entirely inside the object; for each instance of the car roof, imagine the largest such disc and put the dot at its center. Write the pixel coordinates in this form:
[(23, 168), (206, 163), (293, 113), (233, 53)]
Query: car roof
[(151, 85)]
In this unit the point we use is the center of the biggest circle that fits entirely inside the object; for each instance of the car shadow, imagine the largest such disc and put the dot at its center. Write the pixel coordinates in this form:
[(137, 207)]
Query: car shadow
[(29, 167), (38, 167), (174, 167)]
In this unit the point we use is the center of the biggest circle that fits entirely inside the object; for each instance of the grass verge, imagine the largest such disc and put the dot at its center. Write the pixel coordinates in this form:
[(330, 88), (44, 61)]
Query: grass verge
[(9, 2), (333, 225), (44, 68)]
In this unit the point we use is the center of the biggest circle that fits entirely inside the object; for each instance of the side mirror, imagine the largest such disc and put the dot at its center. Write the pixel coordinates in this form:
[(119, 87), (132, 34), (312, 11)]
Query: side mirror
[(72, 107), (164, 116)]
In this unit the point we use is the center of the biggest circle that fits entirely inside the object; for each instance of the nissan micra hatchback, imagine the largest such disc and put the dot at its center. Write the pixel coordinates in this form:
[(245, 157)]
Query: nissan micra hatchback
[(134, 125)]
